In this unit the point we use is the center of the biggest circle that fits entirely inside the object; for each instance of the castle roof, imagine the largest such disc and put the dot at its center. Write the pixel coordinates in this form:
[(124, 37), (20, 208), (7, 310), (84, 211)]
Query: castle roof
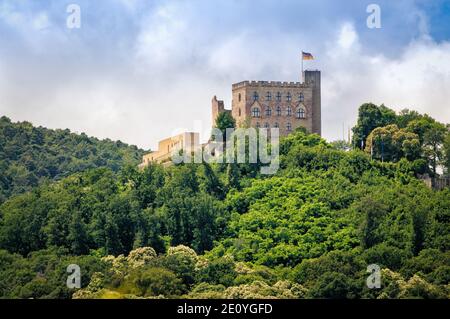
[(269, 84)]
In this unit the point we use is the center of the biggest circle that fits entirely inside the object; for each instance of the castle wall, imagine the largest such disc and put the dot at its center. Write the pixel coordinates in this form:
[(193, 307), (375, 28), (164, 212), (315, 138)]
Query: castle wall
[(217, 107), (187, 141), (273, 95)]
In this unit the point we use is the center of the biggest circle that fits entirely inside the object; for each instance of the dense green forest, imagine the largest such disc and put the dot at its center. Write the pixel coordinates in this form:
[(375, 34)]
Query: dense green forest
[(30, 156), (225, 231)]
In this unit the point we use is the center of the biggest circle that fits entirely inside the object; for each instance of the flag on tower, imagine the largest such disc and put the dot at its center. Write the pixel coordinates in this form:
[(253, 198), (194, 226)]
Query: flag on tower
[(307, 56)]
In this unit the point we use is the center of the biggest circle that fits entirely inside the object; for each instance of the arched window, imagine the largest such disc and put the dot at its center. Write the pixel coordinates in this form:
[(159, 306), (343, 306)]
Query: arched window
[(289, 127), (239, 97), (266, 125), (301, 97), (239, 111), (256, 112), (278, 96), (289, 97), (276, 125), (289, 111), (300, 114), (278, 111), (269, 96), (255, 96), (268, 111)]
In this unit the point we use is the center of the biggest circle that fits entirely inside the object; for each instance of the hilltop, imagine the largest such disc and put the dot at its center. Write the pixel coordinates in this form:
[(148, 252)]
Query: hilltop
[(30, 156)]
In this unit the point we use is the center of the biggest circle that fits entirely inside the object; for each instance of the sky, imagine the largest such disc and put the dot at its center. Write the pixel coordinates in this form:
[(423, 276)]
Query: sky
[(139, 71)]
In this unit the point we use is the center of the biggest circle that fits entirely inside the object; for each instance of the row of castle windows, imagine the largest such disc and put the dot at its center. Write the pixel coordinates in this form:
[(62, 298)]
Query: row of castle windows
[(278, 96), (300, 113), (276, 125)]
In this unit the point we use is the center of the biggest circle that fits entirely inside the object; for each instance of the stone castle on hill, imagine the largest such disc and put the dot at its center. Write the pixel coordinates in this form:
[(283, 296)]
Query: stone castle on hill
[(283, 105), (258, 104)]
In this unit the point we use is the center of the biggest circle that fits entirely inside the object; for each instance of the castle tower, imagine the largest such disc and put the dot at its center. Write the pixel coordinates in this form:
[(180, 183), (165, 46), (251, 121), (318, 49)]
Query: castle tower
[(283, 105), (312, 78), (274, 104), (217, 107)]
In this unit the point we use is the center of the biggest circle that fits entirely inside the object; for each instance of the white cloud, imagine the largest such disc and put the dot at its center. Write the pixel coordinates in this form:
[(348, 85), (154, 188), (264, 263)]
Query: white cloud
[(417, 79), (131, 5), (160, 39), (175, 58), (40, 21), (347, 36), (24, 21)]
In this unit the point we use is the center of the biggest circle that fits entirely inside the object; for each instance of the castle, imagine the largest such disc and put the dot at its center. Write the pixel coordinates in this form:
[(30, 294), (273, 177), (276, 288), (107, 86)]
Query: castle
[(187, 140), (258, 104), (283, 105)]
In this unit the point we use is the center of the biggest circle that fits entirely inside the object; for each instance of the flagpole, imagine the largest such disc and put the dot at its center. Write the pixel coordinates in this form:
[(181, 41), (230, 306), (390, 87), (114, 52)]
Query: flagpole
[(301, 75)]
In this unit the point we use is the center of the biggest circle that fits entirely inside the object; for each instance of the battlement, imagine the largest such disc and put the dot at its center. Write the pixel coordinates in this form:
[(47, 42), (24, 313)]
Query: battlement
[(311, 78), (269, 84)]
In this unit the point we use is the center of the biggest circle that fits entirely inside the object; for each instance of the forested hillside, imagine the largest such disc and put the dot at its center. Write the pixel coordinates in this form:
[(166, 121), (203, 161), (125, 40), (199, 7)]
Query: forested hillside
[(224, 231), (32, 155)]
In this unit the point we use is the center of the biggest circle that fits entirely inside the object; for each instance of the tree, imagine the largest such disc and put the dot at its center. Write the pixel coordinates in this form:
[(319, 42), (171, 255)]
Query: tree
[(421, 126), (370, 116), (447, 153), (220, 271), (182, 260), (233, 176), (211, 184), (155, 281), (112, 243), (225, 121), (433, 140), (205, 212), (373, 211), (385, 256), (389, 143), (191, 220), (78, 236), (405, 116), (140, 257), (149, 230), (334, 285), (145, 184)]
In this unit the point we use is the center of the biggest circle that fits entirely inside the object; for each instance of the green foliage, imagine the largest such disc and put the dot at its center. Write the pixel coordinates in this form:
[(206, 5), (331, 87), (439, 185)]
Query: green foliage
[(30, 156), (431, 134), (262, 290), (223, 121), (182, 261), (211, 183), (286, 220), (334, 285), (224, 231), (191, 219), (416, 287), (219, 271), (370, 116), (391, 144), (43, 273), (446, 154), (388, 136), (233, 176), (386, 256), (153, 281)]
